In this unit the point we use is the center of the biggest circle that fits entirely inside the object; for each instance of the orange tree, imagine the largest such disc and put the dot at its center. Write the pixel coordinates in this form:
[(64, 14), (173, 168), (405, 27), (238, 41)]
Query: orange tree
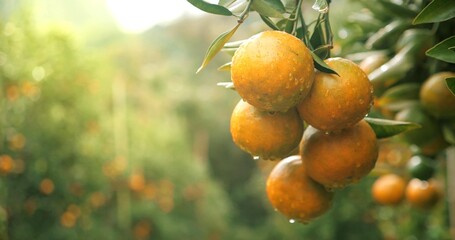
[(405, 51)]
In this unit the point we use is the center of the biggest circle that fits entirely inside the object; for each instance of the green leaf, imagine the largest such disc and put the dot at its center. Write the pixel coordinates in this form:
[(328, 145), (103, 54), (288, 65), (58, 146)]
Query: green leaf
[(451, 84), (317, 38), (225, 67), (359, 56), (321, 65), (442, 50), (231, 47), (210, 8), (269, 8), (395, 69), (228, 85), (388, 34), (300, 32), (235, 44), (385, 128), (412, 35), (436, 11), (237, 7), (399, 10), (229, 51), (378, 10), (400, 93), (321, 39), (289, 5), (226, 3), (216, 46), (448, 131), (321, 6), (269, 22), (401, 105)]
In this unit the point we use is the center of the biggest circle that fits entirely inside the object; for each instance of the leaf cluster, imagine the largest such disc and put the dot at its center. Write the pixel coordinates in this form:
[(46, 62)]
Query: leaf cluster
[(439, 11), (281, 15)]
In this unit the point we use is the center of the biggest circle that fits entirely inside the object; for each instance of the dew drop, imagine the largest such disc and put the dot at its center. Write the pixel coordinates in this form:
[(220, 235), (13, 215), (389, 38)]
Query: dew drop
[(320, 7), (291, 220), (326, 133), (256, 157)]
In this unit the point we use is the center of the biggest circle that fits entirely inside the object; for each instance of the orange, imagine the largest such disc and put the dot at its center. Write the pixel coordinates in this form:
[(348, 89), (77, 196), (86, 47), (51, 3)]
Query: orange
[(423, 194), (339, 158), (137, 182), (337, 102), (46, 186), (388, 189), (272, 71), (6, 164), (294, 194), (436, 98), (263, 134)]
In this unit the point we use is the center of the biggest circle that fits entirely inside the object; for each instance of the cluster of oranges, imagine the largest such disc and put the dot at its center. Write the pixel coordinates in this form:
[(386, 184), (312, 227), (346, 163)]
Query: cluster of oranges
[(407, 177), (391, 189), (310, 120)]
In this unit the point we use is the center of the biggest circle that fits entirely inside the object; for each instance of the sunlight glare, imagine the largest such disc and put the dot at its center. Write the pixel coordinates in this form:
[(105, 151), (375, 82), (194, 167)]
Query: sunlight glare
[(136, 16)]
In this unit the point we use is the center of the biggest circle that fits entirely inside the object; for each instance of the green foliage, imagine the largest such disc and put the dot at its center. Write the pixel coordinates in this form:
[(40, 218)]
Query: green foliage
[(217, 45), (321, 64), (384, 128), (451, 84), (210, 8), (439, 11), (442, 50), (404, 94), (436, 11), (389, 28), (269, 8)]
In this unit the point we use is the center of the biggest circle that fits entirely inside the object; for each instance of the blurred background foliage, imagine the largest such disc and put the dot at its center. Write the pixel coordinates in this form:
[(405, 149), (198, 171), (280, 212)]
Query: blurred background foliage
[(106, 135)]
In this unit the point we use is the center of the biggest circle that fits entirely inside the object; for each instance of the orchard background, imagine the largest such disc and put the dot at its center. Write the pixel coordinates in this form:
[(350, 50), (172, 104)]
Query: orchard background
[(106, 135)]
